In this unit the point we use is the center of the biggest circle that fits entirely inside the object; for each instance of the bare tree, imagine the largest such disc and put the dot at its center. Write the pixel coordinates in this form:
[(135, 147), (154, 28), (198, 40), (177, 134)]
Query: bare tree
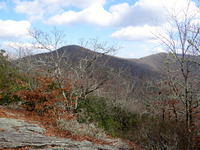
[(23, 51), (182, 43), (86, 71)]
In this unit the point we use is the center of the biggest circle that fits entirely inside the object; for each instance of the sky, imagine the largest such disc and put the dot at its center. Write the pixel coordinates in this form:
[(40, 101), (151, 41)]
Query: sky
[(127, 23)]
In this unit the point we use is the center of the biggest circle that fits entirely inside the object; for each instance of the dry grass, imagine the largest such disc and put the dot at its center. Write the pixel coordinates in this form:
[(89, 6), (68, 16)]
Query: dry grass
[(76, 128)]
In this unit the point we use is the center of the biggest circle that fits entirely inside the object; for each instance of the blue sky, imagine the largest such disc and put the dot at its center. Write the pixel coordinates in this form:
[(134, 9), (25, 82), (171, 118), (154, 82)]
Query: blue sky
[(129, 23)]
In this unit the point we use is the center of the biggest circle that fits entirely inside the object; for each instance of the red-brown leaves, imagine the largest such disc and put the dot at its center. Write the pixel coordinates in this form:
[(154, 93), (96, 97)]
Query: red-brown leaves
[(45, 95)]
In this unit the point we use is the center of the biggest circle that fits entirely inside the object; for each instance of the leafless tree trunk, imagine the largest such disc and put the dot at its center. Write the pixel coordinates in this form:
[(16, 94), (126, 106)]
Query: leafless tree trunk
[(182, 43), (86, 71)]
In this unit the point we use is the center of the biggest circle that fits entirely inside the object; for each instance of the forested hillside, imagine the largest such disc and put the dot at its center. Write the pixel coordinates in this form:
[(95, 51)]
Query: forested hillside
[(131, 99), (84, 91)]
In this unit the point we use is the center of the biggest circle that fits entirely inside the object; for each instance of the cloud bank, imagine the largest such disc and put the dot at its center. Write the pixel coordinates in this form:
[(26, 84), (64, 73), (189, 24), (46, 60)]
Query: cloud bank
[(131, 21), (14, 29)]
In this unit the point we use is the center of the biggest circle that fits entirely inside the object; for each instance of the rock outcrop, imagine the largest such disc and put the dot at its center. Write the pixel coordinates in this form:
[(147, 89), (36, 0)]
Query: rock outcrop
[(16, 133)]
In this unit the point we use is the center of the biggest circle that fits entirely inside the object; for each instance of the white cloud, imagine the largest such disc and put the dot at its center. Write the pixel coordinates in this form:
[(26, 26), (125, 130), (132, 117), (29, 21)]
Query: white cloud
[(14, 29), (32, 8), (146, 32), (93, 11), (29, 7), (139, 33), (37, 9), (135, 20), (123, 14), (95, 14), (76, 3)]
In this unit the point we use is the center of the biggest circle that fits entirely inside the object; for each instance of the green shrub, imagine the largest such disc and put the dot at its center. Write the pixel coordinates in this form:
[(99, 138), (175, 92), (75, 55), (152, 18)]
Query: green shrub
[(8, 80), (106, 115), (145, 130), (7, 98), (111, 125)]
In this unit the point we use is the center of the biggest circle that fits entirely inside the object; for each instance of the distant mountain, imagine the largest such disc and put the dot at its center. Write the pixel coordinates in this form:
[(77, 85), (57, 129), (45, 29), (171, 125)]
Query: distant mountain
[(161, 60), (131, 68), (126, 76), (145, 68), (120, 71)]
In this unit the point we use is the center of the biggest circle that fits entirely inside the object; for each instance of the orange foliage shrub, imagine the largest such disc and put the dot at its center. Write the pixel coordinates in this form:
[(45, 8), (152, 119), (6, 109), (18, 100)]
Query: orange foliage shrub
[(45, 96)]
